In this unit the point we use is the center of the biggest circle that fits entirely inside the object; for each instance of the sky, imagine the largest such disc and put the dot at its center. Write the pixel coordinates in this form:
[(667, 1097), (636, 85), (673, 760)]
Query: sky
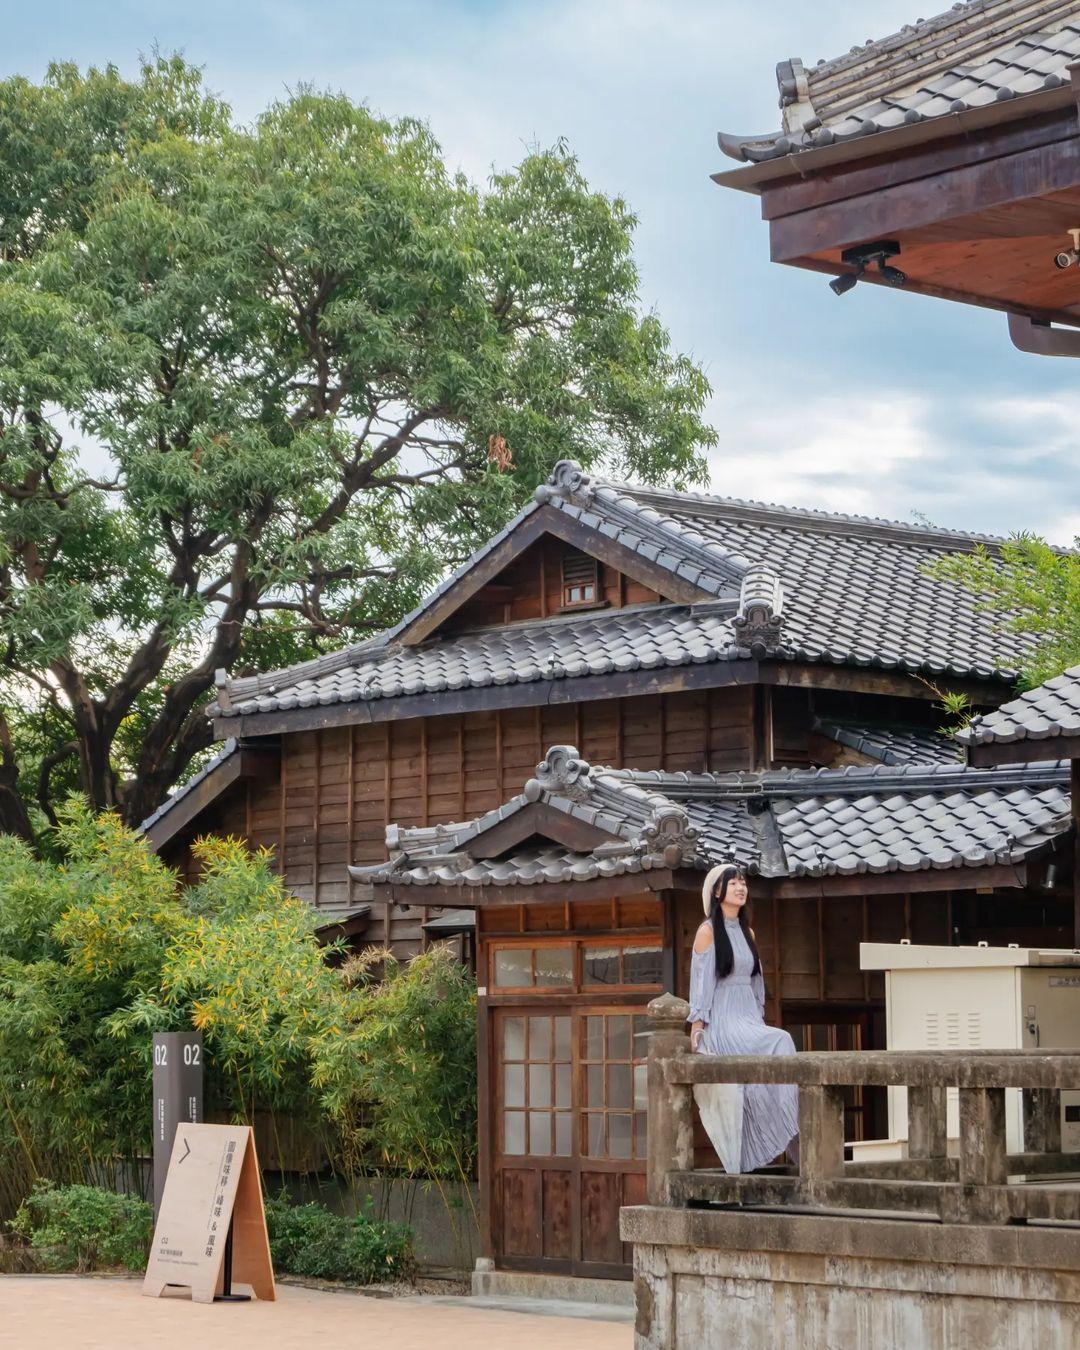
[(877, 403)]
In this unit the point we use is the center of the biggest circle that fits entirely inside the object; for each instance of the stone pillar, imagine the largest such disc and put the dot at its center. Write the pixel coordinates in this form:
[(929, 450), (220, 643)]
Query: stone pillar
[(821, 1132), (983, 1163), (926, 1122), (1042, 1120), (670, 1108)]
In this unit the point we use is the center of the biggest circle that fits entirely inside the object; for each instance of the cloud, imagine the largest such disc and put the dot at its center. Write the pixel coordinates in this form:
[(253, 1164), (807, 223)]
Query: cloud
[(878, 402), (894, 455)]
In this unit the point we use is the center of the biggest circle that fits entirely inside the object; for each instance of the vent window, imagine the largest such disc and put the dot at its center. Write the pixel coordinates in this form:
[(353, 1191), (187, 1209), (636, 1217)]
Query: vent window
[(580, 580)]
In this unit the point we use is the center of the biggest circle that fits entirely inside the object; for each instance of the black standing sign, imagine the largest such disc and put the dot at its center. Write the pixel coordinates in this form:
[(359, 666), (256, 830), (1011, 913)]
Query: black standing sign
[(178, 1095)]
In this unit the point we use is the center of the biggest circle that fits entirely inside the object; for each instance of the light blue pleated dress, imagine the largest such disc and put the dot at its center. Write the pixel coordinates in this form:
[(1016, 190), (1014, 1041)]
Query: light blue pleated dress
[(752, 1124)]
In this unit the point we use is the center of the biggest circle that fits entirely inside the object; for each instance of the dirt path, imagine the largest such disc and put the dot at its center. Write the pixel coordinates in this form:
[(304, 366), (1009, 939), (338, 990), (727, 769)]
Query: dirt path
[(85, 1314)]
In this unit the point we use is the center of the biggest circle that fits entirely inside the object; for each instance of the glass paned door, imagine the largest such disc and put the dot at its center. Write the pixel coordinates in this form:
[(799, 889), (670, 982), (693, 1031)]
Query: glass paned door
[(535, 1116), (568, 1135), (613, 1081)]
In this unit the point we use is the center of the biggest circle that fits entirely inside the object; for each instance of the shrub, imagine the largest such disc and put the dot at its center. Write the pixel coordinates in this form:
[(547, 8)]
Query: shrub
[(84, 1228), (309, 1240), (401, 1080)]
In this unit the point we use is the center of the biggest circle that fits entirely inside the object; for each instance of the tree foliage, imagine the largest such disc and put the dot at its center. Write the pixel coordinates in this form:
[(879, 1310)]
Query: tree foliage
[(100, 946), (401, 1080), (1028, 589), (260, 385)]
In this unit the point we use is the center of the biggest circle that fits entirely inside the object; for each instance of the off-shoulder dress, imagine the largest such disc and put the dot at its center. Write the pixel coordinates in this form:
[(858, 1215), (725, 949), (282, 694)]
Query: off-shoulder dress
[(750, 1125)]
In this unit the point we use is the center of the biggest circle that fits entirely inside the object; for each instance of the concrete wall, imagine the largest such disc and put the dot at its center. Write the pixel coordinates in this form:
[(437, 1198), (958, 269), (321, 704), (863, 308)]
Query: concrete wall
[(752, 1281)]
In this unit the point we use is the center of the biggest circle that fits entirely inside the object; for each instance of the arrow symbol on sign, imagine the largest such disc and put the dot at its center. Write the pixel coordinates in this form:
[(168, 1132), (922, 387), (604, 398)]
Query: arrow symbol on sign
[(187, 1150)]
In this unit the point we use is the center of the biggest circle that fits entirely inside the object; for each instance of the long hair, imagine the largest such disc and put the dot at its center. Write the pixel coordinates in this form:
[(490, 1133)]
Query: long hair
[(725, 957)]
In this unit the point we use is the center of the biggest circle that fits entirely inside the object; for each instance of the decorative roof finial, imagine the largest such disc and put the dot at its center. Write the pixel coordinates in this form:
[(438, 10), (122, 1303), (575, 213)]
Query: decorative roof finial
[(567, 479), (669, 833), (760, 619), (563, 772)]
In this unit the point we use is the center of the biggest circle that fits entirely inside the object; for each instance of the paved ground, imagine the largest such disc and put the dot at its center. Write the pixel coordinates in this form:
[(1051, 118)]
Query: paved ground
[(87, 1314)]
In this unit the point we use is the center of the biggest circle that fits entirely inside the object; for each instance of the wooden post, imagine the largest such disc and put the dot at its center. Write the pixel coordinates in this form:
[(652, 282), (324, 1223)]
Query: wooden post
[(926, 1122), (670, 1105), (821, 1132)]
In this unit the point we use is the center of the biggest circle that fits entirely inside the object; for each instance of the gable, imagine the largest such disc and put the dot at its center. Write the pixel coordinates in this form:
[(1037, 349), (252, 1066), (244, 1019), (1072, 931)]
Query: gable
[(550, 577), (643, 558)]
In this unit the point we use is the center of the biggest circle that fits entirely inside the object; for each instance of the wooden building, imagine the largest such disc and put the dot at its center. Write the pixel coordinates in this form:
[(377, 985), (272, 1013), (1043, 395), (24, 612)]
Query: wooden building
[(695, 678), (943, 160)]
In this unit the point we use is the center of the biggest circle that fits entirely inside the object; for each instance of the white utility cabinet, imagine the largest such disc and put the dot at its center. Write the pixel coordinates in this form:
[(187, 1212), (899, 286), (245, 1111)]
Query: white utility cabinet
[(978, 998)]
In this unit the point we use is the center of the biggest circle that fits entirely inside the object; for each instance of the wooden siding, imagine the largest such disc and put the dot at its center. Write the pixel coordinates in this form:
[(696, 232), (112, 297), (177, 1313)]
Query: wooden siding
[(532, 588), (340, 787)]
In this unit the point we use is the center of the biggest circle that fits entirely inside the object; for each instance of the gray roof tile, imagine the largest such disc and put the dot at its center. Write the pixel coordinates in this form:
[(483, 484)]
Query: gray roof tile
[(798, 584), (891, 743), (1046, 713), (971, 57), (780, 823)]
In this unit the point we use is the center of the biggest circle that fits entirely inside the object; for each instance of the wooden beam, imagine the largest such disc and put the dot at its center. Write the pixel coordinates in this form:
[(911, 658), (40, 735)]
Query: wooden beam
[(890, 212), (1023, 752), (896, 883), (542, 893), (1042, 339), (790, 195)]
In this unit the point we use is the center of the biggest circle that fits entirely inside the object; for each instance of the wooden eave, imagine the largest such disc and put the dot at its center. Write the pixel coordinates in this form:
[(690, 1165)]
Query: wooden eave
[(541, 893), (979, 216), (246, 762), (1006, 877), (754, 178), (587, 688), (1023, 751)]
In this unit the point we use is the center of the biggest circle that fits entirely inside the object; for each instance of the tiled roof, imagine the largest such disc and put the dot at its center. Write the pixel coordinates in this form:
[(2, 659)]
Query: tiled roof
[(975, 55), (774, 581), (782, 823), (855, 591), (636, 638), (1046, 713), (893, 743)]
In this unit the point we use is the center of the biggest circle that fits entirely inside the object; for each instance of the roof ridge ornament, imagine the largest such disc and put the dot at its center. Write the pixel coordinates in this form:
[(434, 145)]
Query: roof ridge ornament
[(797, 107), (568, 479), (669, 834), (760, 619), (563, 772)]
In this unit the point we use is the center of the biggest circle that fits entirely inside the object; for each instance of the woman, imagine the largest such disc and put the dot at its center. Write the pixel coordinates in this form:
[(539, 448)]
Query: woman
[(750, 1125)]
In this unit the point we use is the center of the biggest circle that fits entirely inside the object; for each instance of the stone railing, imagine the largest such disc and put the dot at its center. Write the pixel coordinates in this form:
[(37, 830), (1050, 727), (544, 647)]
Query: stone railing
[(982, 1184)]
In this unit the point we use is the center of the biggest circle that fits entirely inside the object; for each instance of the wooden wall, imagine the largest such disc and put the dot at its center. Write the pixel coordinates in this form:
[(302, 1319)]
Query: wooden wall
[(339, 788), (531, 588)]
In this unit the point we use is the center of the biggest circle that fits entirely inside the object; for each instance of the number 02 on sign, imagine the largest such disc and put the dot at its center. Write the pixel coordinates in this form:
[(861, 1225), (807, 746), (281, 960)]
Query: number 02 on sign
[(213, 1180)]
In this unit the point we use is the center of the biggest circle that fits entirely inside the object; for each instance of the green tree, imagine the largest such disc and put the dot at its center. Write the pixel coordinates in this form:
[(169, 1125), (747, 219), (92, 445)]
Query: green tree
[(260, 385), (1029, 590), (100, 945)]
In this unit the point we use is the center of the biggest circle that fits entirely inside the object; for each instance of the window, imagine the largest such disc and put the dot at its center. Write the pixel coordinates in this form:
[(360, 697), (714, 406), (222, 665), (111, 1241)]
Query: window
[(536, 1086), (636, 964), (615, 1094), (580, 580), (604, 965), (533, 968)]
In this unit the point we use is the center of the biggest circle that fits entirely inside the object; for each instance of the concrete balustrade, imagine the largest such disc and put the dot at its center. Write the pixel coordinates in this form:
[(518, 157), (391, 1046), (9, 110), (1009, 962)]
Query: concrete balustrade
[(824, 1246)]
